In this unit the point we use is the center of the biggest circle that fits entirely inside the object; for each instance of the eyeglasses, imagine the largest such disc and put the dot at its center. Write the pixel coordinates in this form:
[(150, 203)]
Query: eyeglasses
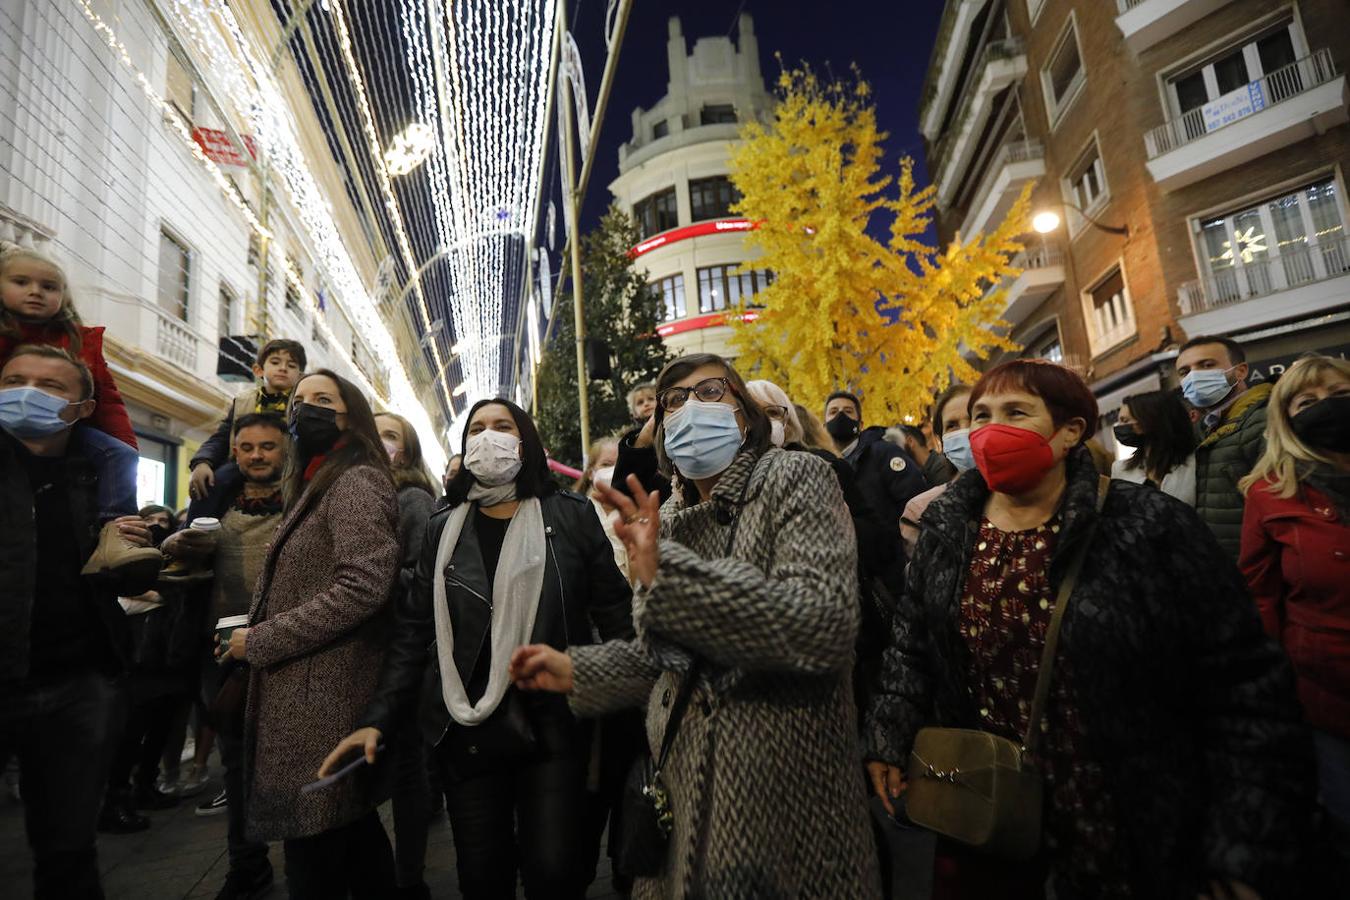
[(776, 413), (709, 390)]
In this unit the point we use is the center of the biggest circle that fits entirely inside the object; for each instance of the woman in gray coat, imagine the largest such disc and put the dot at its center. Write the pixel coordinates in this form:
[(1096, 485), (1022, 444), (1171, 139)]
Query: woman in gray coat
[(316, 642), (750, 569)]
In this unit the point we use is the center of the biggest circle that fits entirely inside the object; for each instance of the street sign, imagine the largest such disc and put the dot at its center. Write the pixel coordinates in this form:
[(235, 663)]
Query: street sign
[(220, 149)]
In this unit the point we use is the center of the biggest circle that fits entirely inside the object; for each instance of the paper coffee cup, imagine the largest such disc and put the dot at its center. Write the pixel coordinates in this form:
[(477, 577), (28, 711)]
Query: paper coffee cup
[(226, 626), (205, 523)]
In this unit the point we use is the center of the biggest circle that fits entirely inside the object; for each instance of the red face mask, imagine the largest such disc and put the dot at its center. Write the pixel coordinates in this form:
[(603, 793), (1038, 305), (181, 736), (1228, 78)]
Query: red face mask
[(1011, 459)]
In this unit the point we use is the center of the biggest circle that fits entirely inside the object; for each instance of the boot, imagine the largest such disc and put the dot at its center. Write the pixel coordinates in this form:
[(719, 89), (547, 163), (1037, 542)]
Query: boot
[(118, 817), (134, 568), (182, 572)]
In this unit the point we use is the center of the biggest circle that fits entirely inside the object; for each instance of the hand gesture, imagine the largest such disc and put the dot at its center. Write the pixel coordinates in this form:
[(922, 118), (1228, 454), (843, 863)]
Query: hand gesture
[(539, 667), (133, 530), (189, 544), (366, 740), (639, 527), (647, 435), (888, 782), (203, 479)]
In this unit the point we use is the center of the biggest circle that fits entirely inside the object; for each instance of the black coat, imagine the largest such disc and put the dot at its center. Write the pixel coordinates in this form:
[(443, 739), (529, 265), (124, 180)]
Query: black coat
[(18, 556), (582, 588), (887, 476), (1185, 703)]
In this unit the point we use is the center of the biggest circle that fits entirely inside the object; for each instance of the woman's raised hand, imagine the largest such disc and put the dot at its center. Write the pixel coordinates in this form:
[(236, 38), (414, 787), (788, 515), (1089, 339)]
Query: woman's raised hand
[(364, 739), (639, 527), (539, 667)]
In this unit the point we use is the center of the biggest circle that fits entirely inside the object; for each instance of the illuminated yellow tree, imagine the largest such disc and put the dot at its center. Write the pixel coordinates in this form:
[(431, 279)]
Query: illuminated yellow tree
[(890, 319)]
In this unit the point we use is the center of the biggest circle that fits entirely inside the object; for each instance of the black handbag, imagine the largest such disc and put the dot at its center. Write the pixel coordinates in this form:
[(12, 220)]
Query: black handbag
[(644, 817), (506, 736)]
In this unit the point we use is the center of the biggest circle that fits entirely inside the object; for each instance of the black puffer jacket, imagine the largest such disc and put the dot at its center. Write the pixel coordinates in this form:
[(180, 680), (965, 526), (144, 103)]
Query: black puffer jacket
[(582, 587), (1186, 705)]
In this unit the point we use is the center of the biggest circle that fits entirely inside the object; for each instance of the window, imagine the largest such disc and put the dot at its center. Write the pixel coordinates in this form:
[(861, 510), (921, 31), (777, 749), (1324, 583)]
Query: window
[(1063, 78), (718, 114), (1110, 315), (712, 198), (1294, 238), (723, 287), (317, 338), (254, 249), (660, 129), (178, 87), (226, 303), (656, 213), (175, 275), (1201, 95), (1050, 349), (1087, 181), (670, 291)]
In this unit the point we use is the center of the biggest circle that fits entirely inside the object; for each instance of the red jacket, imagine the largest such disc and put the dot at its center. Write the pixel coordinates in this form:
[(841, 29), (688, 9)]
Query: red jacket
[(110, 413), (1296, 559)]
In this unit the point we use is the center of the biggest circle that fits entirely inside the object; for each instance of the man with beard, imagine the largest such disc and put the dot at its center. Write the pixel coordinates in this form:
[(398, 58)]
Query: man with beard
[(249, 510)]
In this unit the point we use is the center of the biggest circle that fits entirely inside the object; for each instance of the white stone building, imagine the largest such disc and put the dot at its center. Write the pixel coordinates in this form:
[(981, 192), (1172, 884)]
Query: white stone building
[(673, 177)]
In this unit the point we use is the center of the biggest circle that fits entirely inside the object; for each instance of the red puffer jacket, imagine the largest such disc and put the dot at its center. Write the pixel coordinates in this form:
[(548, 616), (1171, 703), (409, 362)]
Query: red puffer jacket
[(110, 413), (1296, 559)]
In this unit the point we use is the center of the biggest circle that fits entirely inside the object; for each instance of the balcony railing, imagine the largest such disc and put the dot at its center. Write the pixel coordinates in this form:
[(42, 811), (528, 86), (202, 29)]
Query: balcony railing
[(1290, 81), (1291, 268), (1126, 5), (1008, 48), (1039, 258), (1008, 154)]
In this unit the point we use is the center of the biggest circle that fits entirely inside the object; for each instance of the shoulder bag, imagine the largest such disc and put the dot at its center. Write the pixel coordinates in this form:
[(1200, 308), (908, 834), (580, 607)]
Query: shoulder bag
[(982, 789)]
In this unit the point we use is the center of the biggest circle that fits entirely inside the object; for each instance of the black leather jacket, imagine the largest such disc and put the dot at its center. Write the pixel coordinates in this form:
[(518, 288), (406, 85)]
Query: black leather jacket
[(582, 588)]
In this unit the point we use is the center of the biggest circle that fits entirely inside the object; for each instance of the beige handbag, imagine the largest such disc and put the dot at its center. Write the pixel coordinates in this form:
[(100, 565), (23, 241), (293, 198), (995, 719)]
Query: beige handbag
[(981, 789)]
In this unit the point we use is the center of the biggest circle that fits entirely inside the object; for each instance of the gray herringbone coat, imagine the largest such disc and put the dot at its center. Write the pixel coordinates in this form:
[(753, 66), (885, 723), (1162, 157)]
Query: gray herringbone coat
[(315, 655), (765, 775)]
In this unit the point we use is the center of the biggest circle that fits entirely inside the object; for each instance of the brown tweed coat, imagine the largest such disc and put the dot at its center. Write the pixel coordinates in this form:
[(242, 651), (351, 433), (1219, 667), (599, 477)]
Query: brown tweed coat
[(315, 652), (765, 775)]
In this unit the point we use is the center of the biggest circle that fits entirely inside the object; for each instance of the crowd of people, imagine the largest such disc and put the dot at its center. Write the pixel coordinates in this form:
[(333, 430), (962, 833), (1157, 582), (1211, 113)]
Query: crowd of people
[(754, 646)]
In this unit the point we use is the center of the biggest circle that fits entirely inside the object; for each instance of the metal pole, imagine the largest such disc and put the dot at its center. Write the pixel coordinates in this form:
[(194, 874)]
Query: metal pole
[(573, 214)]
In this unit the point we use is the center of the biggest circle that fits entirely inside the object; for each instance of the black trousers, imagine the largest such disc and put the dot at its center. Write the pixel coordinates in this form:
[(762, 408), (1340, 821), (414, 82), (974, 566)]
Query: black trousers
[(142, 744), (527, 818), (353, 860), (247, 858), (63, 733), (412, 805)]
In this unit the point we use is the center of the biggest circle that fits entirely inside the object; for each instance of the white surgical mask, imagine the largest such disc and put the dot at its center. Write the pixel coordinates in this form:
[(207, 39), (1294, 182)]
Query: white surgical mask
[(493, 457), (776, 432), (702, 439), (956, 447), (603, 476)]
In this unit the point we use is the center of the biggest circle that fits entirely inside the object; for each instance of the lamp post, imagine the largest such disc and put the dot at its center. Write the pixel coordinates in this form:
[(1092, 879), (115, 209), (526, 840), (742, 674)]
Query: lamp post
[(1047, 220)]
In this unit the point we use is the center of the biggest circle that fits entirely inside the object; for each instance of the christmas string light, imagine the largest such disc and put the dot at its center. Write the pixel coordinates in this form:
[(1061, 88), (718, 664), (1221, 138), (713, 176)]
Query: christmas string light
[(313, 208)]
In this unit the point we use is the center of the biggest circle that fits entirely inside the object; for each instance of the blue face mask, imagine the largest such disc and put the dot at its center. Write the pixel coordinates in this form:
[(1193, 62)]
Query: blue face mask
[(956, 447), (27, 412), (702, 438), (1204, 388)]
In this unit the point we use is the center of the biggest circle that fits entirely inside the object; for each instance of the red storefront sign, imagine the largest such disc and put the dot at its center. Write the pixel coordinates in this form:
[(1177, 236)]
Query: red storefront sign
[(698, 323), (219, 148), (698, 229)]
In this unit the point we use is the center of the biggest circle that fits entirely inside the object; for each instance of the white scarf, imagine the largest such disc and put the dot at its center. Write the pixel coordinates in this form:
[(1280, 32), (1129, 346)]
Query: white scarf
[(516, 587)]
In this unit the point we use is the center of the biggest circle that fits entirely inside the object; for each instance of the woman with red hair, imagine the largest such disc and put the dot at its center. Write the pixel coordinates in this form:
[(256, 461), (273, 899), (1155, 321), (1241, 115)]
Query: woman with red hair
[(1169, 754)]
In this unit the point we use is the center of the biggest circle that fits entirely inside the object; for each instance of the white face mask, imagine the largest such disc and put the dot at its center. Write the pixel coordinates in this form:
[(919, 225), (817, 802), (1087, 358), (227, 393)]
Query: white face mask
[(493, 457), (603, 476), (776, 432), (390, 448)]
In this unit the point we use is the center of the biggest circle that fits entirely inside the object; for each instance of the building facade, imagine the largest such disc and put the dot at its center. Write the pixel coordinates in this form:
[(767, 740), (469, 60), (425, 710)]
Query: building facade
[(139, 192), (1194, 153), (673, 178)]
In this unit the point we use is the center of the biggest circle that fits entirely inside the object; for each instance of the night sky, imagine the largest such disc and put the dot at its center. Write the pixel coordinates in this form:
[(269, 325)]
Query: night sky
[(891, 46)]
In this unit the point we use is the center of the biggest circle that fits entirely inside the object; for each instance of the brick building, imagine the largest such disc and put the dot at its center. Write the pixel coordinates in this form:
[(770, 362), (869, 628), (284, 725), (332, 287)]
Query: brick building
[(1194, 153)]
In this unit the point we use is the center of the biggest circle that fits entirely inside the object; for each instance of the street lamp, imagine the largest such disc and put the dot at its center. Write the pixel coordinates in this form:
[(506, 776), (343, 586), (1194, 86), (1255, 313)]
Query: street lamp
[(1047, 220)]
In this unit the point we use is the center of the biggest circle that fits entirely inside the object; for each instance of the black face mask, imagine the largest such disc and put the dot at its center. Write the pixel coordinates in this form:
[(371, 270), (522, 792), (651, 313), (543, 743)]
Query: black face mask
[(1129, 436), (1325, 425), (314, 429), (842, 427), (157, 534)]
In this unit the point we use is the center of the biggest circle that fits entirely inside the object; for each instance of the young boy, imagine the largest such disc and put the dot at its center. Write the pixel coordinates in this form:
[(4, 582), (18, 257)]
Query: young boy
[(642, 402), (280, 364)]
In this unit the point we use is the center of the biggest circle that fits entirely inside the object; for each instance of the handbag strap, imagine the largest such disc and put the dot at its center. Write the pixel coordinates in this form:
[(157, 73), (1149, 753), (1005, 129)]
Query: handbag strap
[(1052, 633)]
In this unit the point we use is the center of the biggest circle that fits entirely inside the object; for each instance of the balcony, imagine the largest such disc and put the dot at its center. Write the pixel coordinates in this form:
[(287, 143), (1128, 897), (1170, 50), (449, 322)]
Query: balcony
[(1293, 285), (1015, 165), (1303, 99), (1146, 22), (1042, 273), (1000, 64)]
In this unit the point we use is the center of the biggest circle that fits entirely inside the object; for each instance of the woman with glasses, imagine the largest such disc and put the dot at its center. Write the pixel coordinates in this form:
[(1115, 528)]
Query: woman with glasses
[(748, 596)]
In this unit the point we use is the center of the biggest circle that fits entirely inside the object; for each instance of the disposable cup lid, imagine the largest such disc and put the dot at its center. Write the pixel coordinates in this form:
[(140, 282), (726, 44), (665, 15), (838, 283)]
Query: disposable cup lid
[(232, 622), (204, 523)]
